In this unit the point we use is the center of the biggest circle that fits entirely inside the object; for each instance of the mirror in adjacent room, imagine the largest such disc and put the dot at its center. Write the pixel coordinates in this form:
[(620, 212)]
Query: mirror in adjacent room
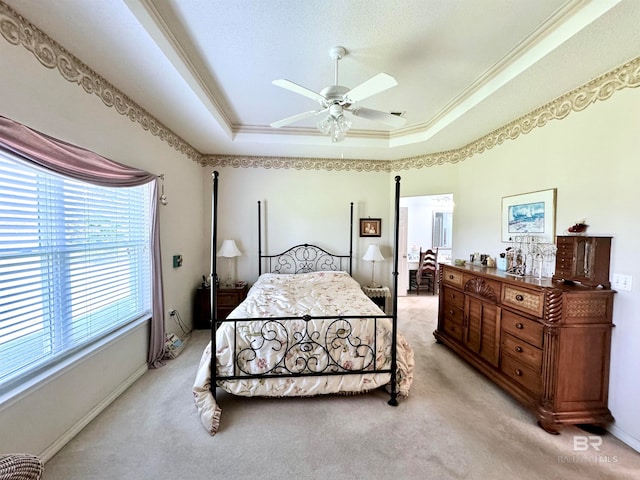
[(426, 222), (442, 229)]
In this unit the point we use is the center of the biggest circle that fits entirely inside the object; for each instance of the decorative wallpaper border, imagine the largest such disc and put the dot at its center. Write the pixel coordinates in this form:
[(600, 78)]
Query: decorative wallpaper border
[(18, 31), (329, 164)]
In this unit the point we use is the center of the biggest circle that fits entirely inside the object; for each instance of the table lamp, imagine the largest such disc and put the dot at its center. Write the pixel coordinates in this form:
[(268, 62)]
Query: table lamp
[(229, 250), (373, 255)]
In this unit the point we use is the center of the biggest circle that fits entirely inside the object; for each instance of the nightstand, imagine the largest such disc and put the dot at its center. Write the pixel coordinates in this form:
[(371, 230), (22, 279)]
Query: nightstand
[(379, 295), (202, 309), (228, 299)]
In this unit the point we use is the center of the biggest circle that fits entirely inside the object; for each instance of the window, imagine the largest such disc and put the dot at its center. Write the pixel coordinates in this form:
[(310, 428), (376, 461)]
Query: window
[(75, 265)]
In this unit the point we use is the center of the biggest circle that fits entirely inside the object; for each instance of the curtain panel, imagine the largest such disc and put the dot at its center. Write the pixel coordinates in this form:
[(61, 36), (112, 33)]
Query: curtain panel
[(86, 166)]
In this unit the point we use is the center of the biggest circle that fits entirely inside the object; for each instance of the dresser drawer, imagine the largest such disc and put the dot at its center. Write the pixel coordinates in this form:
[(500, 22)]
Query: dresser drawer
[(566, 261), (228, 299), (452, 298), (525, 300), (522, 328), (522, 351), (564, 242), (565, 250), (454, 314), (452, 277), (453, 328), (525, 376), (563, 272)]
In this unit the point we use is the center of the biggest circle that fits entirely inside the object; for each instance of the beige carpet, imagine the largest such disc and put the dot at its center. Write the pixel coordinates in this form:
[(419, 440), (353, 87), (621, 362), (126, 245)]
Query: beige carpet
[(454, 425)]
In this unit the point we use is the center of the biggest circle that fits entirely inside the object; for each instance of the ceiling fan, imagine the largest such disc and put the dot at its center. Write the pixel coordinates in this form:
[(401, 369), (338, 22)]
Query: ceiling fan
[(337, 100)]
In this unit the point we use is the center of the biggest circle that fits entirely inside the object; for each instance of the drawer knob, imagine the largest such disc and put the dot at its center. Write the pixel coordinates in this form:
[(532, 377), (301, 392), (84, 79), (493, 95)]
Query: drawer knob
[(451, 295), (450, 312), (450, 277), (519, 349), (518, 372), (519, 298), (519, 326)]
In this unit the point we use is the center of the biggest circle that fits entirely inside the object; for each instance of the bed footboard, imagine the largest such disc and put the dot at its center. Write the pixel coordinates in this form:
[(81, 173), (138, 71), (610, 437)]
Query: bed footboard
[(281, 347)]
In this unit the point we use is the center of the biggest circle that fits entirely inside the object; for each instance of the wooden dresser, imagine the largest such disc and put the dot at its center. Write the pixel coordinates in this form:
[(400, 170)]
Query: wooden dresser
[(545, 342)]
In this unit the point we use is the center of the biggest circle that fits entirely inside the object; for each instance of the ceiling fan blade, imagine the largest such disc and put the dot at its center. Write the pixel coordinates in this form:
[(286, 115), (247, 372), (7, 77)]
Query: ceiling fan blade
[(374, 85), (299, 89), (378, 116), (296, 118)]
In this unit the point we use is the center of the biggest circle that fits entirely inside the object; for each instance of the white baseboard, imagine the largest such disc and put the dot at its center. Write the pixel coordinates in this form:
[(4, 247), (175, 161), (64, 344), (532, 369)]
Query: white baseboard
[(56, 446), (625, 437)]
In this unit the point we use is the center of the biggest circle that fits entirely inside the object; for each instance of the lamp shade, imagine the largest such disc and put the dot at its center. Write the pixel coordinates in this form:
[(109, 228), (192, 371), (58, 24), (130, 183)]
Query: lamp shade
[(229, 249), (373, 254)]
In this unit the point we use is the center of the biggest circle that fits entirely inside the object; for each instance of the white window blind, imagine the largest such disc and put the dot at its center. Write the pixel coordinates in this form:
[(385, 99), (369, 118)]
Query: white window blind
[(74, 265)]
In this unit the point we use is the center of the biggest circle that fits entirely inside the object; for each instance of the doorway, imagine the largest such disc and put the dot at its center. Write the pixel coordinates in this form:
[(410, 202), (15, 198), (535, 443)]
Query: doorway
[(425, 222)]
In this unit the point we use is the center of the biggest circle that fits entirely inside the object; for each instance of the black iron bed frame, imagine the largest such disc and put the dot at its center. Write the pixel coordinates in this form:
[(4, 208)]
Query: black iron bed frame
[(306, 353)]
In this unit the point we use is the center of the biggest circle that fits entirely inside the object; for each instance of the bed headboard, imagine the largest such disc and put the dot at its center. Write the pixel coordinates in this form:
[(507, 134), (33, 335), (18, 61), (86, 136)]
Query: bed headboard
[(305, 258)]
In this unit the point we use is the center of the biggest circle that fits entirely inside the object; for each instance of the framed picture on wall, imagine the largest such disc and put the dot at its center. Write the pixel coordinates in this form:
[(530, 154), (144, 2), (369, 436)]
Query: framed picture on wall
[(370, 227), (532, 214)]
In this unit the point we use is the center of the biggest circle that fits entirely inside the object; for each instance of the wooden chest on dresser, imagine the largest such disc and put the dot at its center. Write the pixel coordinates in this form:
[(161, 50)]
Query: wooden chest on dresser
[(545, 342), (583, 259)]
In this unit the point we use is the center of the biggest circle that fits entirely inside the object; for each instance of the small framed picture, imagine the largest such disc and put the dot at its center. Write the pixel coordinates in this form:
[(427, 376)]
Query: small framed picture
[(370, 227)]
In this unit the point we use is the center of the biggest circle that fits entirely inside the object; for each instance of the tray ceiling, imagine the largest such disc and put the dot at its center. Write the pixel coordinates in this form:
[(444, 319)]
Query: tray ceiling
[(204, 68)]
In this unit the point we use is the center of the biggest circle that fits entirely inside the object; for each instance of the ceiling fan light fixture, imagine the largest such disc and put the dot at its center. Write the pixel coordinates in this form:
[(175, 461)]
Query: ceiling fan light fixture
[(337, 99), (335, 127)]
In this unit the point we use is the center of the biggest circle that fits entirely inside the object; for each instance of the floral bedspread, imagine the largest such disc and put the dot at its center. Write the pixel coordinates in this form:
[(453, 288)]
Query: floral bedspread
[(274, 346)]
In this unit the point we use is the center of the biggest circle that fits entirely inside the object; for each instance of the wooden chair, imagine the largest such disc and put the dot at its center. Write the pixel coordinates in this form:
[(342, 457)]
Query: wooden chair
[(427, 274)]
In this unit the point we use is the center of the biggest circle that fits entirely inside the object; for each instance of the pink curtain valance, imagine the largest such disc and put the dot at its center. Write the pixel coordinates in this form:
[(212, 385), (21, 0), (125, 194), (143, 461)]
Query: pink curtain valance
[(67, 159), (84, 165)]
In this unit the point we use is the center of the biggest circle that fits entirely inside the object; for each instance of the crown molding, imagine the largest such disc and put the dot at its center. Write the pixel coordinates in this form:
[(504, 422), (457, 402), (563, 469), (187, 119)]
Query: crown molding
[(16, 30)]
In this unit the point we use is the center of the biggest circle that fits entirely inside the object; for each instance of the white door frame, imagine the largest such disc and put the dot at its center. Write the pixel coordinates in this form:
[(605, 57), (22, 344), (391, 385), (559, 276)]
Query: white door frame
[(403, 268)]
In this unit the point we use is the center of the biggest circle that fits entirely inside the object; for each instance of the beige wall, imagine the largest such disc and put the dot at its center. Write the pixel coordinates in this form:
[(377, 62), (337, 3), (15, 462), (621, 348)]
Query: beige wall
[(300, 206), (591, 158), (40, 419)]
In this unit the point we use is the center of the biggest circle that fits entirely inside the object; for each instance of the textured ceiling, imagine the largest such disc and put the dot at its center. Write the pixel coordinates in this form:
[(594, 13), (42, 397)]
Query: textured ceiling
[(204, 68)]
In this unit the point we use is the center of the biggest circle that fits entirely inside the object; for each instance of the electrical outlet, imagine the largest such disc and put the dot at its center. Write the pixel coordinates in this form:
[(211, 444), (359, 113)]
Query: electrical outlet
[(172, 312), (622, 282)]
